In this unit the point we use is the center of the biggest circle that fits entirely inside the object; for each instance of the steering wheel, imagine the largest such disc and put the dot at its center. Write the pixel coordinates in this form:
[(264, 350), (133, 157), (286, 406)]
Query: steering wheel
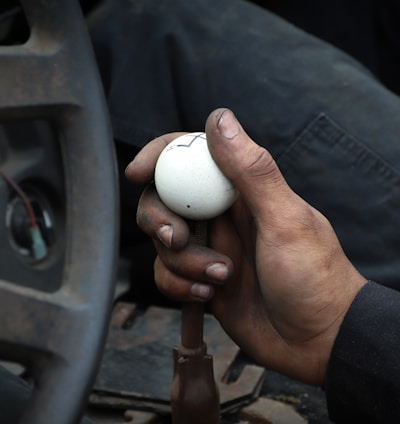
[(58, 335)]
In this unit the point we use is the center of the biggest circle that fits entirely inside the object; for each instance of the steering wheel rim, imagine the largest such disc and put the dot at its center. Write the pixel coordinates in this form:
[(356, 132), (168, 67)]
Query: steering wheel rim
[(60, 335)]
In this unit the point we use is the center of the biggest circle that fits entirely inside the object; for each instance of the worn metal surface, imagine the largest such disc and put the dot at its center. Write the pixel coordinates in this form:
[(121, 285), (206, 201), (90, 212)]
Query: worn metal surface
[(194, 393), (137, 367)]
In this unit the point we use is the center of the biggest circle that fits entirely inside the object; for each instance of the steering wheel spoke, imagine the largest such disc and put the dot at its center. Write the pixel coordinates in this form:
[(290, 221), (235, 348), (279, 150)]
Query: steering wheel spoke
[(38, 76), (30, 86), (33, 323)]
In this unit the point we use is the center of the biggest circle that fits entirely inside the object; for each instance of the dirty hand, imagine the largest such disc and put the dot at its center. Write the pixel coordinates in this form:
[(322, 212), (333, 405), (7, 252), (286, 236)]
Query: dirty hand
[(274, 272)]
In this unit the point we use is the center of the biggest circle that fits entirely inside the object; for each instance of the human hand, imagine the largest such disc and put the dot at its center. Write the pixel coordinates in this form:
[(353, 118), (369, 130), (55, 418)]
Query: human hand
[(274, 272)]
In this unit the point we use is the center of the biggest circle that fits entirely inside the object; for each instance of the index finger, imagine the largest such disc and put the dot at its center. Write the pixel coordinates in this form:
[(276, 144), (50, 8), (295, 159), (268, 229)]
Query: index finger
[(141, 169)]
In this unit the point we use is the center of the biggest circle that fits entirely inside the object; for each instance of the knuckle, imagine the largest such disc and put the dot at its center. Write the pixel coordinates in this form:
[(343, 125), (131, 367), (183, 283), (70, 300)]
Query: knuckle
[(143, 220), (262, 165)]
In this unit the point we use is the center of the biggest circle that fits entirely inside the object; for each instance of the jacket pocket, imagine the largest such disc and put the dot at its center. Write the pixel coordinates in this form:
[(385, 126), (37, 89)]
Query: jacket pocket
[(356, 190)]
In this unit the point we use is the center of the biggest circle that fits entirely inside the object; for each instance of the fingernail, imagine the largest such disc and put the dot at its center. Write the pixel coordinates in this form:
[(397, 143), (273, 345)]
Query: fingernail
[(200, 290), (165, 233), (217, 271), (228, 125)]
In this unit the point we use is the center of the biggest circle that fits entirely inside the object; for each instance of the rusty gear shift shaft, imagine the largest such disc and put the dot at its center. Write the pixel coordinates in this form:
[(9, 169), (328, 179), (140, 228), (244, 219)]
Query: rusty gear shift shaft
[(194, 393)]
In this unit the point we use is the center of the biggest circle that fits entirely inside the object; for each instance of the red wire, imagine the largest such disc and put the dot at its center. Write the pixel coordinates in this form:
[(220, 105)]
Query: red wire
[(23, 196)]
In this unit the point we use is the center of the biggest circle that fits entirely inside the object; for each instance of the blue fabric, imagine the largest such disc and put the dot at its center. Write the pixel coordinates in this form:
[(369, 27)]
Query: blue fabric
[(331, 125)]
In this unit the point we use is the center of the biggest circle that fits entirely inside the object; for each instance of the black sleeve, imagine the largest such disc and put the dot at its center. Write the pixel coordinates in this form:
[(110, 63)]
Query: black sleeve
[(363, 379)]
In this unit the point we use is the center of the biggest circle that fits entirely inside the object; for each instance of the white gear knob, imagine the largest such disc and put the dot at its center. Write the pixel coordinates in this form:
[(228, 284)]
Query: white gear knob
[(188, 180)]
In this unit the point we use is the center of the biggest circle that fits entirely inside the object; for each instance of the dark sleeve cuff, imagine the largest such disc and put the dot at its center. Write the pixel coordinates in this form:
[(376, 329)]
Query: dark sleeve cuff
[(363, 378)]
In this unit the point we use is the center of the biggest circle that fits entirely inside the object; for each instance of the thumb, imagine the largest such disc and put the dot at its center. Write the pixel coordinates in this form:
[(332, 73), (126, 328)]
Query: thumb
[(249, 166)]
